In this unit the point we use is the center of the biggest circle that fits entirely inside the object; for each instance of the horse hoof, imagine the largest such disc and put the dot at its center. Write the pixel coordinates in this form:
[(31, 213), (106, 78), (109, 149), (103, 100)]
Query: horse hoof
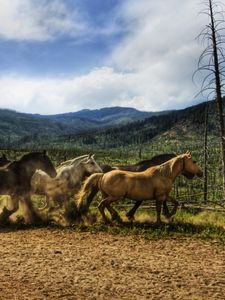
[(131, 218), (117, 219), (106, 222), (167, 216)]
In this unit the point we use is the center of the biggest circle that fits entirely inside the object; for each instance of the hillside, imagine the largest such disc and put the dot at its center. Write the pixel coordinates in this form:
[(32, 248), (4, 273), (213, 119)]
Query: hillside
[(189, 122), (20, 128), (101, 128), (105, 117), (17, 128)]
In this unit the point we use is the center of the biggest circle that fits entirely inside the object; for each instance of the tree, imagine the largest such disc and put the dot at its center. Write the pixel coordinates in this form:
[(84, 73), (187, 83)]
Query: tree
[(212, 64)]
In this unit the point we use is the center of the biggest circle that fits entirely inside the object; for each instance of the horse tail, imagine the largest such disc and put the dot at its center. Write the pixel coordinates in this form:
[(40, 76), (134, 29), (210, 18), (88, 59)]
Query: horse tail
[(87, 192)]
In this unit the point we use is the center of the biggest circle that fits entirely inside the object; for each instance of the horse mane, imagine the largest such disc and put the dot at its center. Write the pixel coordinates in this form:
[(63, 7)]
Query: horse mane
[(72, 161), (157, 158), (147, 163), (167, 167)]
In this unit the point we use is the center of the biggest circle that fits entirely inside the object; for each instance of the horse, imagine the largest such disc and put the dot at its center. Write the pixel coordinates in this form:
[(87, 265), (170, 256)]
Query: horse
[(139, 167), (4, 160), (70, 175), (155, 183), (144, 164), (15, 181)]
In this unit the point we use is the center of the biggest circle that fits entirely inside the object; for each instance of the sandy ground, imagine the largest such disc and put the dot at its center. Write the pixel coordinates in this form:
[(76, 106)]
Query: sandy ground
[(64, 264)]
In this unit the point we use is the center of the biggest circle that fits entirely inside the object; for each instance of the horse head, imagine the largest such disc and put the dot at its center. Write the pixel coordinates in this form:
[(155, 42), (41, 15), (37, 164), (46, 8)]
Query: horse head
[(46, 165), (191, 166), (91, 165)]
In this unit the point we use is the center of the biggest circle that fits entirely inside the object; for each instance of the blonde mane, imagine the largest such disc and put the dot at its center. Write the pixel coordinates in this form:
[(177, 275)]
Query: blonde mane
[(166, 168), (72, 161)]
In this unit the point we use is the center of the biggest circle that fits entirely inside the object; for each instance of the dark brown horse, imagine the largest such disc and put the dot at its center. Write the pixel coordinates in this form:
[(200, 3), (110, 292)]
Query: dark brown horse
[(139, 167), (15, 181)]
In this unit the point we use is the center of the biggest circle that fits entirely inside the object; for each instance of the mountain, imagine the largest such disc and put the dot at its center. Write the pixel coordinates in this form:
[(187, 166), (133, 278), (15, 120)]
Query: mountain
[(185, 123), (20, 128), (108, 116), (104, 128)]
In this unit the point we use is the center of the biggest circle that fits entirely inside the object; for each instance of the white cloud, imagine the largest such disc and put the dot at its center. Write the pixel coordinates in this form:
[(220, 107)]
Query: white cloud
[(151, 68), (161, 50), (37, 20), (101, 87)]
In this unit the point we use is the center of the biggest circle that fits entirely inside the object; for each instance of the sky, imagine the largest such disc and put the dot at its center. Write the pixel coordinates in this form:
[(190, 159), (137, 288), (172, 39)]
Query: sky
[(59, 56)]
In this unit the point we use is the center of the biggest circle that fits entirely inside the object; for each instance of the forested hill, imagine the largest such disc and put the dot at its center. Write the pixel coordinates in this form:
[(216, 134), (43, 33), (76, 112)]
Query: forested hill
[(17, 128), (99, 128), (191, 119)]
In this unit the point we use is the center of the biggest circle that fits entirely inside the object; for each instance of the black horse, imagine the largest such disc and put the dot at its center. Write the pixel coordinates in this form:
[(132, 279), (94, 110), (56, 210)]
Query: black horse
[(139, 167), (15, 180)]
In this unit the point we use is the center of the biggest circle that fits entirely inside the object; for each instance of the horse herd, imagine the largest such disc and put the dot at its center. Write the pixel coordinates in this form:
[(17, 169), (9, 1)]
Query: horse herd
[(82, 178)]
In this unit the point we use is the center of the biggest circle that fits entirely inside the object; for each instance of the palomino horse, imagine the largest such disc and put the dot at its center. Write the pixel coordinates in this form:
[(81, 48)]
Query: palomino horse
[(70, 175), (15, 181), (153, 183), (139, 167)]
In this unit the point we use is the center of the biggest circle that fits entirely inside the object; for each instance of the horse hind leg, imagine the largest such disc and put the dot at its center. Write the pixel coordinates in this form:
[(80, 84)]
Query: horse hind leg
[(106, 203), (174, 210), (166, 211), (114, 214)]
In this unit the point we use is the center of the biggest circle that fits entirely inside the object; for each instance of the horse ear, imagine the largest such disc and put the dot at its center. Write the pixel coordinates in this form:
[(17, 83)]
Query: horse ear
[(93, 155), (89, 155), (44, 152)]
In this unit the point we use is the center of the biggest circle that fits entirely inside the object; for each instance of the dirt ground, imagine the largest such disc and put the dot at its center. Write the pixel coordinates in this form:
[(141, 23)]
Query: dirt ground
[(64, 264)]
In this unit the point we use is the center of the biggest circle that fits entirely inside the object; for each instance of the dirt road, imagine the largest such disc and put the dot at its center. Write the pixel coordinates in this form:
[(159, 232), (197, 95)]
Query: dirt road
[(64, 264)]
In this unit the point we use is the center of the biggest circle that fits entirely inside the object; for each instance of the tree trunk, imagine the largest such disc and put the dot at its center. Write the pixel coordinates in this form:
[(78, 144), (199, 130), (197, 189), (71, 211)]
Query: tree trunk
[(205, 187), (218, 91)]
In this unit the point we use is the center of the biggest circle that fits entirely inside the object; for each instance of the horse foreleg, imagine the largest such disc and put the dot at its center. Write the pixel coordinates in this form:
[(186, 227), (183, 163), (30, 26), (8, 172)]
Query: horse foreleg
[(158, 211), (175, 203), (130, 214), (6, 212), (31, 215)]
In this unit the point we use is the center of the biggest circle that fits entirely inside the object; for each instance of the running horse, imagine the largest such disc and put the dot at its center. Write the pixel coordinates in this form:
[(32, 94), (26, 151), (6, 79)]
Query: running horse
[(155, 183), (15, 181), (70, 175), (139, 167)]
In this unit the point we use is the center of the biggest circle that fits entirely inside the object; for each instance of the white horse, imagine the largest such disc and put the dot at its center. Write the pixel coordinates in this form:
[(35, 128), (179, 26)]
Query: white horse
[(70, 175)]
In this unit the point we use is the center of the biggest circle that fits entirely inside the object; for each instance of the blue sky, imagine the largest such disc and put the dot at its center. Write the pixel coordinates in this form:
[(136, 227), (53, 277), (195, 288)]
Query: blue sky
[(65, 55)]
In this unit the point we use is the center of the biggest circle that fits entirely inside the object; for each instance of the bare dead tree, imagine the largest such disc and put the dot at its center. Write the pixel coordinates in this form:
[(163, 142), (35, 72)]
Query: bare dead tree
[(205, 187), (212, 64)]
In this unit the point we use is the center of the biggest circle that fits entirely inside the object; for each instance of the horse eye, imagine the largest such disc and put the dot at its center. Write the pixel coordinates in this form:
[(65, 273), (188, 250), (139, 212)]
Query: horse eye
[(194, 161)]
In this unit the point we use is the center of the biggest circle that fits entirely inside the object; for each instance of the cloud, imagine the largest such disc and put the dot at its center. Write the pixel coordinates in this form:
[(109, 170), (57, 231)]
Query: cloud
[(37, 20), (151, 68), (161, 50), (100, 87)]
